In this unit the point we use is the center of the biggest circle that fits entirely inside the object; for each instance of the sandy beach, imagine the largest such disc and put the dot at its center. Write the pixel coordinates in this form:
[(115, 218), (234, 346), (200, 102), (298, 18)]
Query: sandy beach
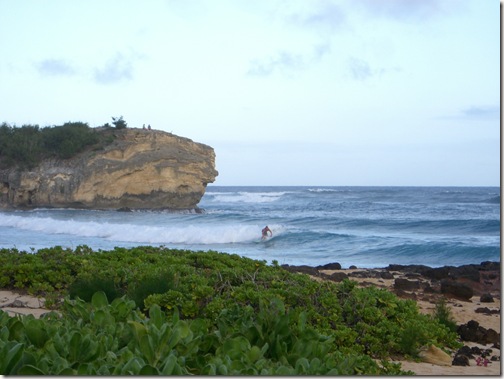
[(463, 311)]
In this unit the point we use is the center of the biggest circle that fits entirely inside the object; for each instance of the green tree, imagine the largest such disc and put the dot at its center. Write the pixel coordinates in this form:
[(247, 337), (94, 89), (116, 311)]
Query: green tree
[(119, 122)]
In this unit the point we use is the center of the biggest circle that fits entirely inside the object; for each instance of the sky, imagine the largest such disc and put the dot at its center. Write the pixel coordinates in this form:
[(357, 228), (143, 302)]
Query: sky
[(287, 92)]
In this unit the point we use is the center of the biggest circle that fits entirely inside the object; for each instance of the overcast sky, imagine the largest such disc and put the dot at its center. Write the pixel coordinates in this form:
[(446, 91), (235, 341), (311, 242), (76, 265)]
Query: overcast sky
[(308, 92)]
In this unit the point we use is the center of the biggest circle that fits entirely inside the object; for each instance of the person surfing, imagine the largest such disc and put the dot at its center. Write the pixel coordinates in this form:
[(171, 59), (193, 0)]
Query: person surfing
[(265, 232)]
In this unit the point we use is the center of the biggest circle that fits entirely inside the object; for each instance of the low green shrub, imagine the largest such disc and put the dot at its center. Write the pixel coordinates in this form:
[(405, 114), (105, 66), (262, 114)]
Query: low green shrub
[(156, 283), (226, 292), (85, 287), (443, 315)]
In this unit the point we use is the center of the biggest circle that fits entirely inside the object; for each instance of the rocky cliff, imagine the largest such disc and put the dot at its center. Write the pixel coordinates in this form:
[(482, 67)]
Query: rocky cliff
[(140, 169)]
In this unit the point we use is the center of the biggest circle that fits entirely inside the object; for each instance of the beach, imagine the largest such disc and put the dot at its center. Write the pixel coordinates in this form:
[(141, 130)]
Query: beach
[(486, 314)]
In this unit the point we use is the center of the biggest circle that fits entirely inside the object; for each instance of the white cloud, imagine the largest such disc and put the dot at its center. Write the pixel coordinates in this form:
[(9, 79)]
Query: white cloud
[(116, 69), (55, 67), (406, 10), (478, 112)]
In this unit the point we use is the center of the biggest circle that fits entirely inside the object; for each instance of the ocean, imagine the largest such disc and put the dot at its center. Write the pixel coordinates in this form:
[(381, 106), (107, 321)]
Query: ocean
[(368, 227)]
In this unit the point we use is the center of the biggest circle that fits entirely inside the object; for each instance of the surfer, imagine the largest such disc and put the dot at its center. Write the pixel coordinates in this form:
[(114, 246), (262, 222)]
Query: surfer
[(265, 232)]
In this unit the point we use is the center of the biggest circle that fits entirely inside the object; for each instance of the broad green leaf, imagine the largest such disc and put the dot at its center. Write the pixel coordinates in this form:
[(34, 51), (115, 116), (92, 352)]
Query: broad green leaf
[(74, 347), (169, 365), (29, 370), (138, 330), (212, 370), (315, 364), (88, 349), (102, 318), (67, 371), (133, 366), (184, 329), (264, 349), (157, 317), (16, 329), (147, 349), (222, 370), (83, 369), (10, 355), (302, 366), (284, 371), (254, 354), (36, 333), (176, 315), (302, 321), (148, 370), (99, 300), (174, 338), (4, 333)]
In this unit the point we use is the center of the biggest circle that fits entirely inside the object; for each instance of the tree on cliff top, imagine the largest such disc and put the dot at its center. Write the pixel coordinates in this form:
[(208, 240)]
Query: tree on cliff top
[(119, 123)]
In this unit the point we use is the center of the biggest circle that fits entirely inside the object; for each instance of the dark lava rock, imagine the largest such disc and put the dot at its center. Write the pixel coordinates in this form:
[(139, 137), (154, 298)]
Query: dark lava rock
[(470, 272), (486, 298), (428, 289), (386, 275), (459, 290), (352, 267), (490, 266), (420, 269), (487, 311), (363, 274), (330, 266), (338, 276), (460, 360), (406, 285), (491, 336), (437, 273), (473, 332), (467, 351), (413, 275), (302, 269), (125, 209)]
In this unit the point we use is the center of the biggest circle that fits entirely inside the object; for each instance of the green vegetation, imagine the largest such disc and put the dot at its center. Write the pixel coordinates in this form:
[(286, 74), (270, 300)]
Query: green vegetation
[(150, 310), (27, 145), (443, 314), (119, 123)]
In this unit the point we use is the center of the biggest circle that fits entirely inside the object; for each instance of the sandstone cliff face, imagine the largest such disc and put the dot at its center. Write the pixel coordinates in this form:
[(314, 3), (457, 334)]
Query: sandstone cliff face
[(141, 169)]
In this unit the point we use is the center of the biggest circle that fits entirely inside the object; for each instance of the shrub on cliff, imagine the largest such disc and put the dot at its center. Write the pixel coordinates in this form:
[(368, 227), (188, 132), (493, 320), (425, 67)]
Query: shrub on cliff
[(119, 123), (67, 140), (27, 145), (22, 146)]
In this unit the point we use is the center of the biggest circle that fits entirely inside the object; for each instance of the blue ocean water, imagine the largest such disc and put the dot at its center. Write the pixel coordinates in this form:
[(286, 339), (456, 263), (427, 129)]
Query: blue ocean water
[(362, 226)]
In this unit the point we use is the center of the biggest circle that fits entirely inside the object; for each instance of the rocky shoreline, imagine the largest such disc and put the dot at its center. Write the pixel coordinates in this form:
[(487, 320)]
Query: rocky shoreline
[(473, 293)]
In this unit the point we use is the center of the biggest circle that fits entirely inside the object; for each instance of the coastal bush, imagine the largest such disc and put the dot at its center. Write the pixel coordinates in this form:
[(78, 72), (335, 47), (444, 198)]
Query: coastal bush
[(85, 288), (27, 145), (67, 140), (102, 338), (152, 283), (227, 293), (443, 315)]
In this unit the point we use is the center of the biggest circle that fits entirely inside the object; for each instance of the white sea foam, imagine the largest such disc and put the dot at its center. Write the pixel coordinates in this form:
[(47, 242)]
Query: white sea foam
[(203, 234), (246, 197)]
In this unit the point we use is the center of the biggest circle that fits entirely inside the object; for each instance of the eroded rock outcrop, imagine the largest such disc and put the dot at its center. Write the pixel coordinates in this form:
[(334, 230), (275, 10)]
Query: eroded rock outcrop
[(140, 169)]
